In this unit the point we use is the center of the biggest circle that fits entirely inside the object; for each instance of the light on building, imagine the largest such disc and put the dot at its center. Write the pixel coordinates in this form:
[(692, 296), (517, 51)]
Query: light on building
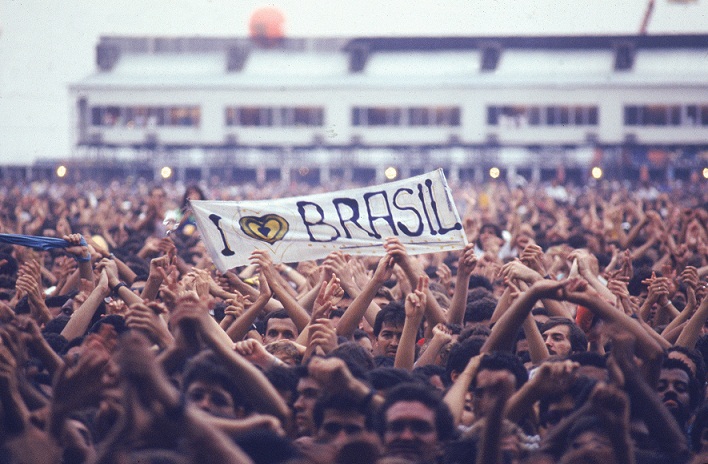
[(391, 173), (61, 171), (166, 172), (304, 171), (494, 173), (596, 172), (705, 173)]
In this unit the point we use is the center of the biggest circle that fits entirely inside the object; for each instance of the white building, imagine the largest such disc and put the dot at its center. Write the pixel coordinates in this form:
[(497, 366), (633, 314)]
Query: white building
[(339, 107)]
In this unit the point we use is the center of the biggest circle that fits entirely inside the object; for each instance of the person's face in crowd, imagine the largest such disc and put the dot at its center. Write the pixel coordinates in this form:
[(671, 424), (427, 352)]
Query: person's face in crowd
[(280, 329), (388, 339), (673, 389), (158, 197), (366, 343), (525, 237), (193, 194), (410, 432), (307, 392), (483, 394), (557, 340), (489, 239), (339, 427), (211, 398)]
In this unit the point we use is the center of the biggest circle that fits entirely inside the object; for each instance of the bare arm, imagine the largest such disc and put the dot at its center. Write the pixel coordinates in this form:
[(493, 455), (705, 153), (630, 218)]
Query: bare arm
[(296, 312), (504, 331), (466, 264), (455, 396), (352, 316), (414, 307)]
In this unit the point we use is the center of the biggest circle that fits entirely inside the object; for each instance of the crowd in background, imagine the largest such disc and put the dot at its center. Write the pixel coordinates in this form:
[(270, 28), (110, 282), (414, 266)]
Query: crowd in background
[(572, 328)]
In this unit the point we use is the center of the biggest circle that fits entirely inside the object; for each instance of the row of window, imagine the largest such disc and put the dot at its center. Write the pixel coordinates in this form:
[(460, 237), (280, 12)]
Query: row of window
[(274, 116), (522, 116), (509, 116), (145, 116), (412, 116), (666, 115)]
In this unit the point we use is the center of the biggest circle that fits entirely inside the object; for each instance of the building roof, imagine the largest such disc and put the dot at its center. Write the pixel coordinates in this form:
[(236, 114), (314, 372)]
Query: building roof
[(399, 62)]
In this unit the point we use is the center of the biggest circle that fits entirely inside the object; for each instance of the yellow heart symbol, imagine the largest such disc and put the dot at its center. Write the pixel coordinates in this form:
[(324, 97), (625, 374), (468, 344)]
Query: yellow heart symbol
[(269, 228)]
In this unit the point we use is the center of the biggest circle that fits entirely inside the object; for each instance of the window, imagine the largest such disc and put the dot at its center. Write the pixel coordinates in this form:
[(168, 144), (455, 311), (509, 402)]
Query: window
[(631, 115), (254, 116), (692, 115), (263, 116), (308, 116), (492, 115), (534, 116), (447, 116), (383, 116), (665, 115), (406, 116), (418, 116), (434, 116), (145, 116), (654, 116), (521, 116)]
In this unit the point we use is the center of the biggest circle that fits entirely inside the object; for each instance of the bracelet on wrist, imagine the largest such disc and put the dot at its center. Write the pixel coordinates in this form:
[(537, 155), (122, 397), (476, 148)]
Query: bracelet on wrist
[(83, 259), (117, 287)]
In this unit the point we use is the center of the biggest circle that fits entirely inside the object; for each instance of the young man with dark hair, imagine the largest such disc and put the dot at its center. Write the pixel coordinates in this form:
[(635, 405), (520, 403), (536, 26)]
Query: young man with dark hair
[(209, 386), (414, 424), (679, 390), (339, 418), (279, 326), (563, 337), (388, 327)]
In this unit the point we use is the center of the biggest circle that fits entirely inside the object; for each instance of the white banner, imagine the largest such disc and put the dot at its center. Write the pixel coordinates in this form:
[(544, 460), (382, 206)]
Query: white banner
[(419, 211)]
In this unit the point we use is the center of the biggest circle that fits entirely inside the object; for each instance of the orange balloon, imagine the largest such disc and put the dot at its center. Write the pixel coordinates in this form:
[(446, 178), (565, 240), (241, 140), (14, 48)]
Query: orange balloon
[(267, 24)]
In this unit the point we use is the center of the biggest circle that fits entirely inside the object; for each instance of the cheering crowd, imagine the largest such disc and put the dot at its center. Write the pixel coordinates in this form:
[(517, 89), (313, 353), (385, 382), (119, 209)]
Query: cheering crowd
[(573, 328)]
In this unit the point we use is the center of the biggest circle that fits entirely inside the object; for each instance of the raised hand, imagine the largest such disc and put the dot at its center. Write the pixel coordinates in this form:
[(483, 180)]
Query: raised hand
[(254, 352), (532, 256), (332, 373), (468, 260), (146, 319), (553, 378), (80, 382), (442, 333), (76, 249), (325, 301), (444, 275), (322, 335), (416, 301), (516, 270)]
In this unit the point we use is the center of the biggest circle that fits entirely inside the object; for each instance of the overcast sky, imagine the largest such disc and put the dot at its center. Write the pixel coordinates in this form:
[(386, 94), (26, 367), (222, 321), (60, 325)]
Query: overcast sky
[(45, 45)]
